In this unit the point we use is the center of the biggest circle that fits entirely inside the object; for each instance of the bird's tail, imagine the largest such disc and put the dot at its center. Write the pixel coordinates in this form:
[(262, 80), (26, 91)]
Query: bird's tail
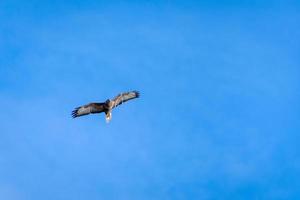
[(108, 117)]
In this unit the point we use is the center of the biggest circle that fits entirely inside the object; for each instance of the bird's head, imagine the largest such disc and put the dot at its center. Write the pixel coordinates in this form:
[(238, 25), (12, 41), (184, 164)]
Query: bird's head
[(108, 101)]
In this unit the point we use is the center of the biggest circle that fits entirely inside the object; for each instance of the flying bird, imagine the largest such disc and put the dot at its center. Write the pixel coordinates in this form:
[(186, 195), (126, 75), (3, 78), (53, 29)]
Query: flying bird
[(106, 107)]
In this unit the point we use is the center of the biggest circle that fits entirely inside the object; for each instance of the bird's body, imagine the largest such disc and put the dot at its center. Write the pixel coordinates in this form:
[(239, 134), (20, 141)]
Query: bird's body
[(106, 106)]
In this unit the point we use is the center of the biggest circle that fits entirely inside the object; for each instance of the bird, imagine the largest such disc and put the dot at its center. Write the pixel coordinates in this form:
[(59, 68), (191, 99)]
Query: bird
[(106, 107)]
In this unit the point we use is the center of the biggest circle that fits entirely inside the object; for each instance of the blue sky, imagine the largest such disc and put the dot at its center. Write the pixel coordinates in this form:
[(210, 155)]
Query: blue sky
[(218, 116)]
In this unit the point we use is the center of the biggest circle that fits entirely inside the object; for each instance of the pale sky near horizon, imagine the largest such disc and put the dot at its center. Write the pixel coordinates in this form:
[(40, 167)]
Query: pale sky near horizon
[(218, 116)]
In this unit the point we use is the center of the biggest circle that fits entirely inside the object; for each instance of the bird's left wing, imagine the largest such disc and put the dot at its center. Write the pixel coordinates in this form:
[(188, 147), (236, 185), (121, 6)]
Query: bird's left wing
[(88, 109), (123, 97)]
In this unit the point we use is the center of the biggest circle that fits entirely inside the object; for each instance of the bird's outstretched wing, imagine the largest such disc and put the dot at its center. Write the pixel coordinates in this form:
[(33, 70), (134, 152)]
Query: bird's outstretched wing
[(123, 97), (88, 109)]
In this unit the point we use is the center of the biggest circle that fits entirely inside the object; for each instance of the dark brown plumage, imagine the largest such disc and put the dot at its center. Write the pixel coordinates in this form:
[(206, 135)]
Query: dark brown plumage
[(106, 106)]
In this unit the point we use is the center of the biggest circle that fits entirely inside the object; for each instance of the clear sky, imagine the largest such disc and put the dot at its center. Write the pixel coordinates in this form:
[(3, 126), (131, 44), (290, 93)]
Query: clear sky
[(218, 117)]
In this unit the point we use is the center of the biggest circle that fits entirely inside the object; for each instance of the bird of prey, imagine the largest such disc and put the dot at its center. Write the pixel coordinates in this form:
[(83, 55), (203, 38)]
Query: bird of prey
[(106, 106)]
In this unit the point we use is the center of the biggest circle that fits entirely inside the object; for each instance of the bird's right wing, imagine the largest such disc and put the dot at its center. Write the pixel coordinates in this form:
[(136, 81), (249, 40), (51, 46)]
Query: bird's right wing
[(88, 109), (123, 97)]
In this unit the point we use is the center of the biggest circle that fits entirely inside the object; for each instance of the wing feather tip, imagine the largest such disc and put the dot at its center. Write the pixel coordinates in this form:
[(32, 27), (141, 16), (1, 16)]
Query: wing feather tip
[(75, 112), (137, 93)]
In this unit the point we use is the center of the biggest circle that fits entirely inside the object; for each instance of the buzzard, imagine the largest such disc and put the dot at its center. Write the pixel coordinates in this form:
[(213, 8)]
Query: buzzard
[(106, 106)]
